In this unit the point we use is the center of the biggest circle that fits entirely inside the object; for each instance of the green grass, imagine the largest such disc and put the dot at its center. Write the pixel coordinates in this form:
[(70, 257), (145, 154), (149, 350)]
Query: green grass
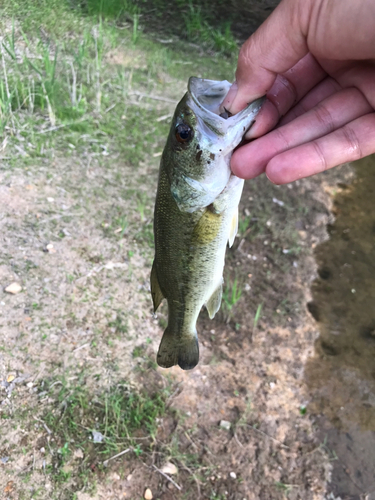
[(64, 94), (121, 417), (191, 21), (232, 292)]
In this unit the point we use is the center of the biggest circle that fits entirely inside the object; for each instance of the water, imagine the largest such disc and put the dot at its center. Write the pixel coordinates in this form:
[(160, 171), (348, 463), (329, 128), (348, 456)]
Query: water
[(341, 376)]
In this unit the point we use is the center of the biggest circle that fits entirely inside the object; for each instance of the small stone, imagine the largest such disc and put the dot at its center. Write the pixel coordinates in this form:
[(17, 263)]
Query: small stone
[(129, 477), (148, 494), (42, 449), (29, 384), (50, 249), (50, 200), (169, 468), (233, 475), (13, 288), (224, 424)]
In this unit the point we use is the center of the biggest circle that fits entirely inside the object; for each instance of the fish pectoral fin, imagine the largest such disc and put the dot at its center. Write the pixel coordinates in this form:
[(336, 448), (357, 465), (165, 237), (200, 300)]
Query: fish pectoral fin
[(214, 302), (182, 350), (233, 228), (157, 294)]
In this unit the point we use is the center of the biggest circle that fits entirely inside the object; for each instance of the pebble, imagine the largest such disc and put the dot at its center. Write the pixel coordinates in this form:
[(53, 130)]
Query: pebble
[(233, 475), (148, 494), (13, 288), (169, 468), (50, 248), (224, 424)]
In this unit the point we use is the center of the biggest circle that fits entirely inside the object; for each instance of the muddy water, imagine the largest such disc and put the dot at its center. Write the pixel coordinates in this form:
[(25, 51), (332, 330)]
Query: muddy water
[(341, 376)]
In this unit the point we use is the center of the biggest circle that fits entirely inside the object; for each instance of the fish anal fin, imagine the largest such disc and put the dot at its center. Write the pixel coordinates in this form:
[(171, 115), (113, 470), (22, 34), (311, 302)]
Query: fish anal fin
[(157, 294), (178, 350), (214, 302), (233, 228)]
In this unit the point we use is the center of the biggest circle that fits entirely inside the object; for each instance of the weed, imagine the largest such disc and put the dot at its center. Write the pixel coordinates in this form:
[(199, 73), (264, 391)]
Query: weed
[(332, 455), (120, 323), (282, 486), (116, 416), (198, 29), (243, 224), (232, 293), (257, 317)]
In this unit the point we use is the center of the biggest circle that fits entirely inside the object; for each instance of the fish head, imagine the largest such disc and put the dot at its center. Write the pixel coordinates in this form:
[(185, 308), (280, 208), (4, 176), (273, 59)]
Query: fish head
[(201, 141)]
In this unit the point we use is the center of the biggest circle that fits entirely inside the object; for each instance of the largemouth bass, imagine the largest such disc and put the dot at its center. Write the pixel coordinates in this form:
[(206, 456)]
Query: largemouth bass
[(196, 214)]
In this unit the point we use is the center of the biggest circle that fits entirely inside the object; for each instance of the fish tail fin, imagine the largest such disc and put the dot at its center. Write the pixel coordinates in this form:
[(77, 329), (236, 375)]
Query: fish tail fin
[(182, 350)]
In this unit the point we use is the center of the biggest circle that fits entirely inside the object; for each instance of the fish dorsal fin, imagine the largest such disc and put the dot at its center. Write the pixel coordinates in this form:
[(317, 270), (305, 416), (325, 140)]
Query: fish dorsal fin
[(157, 294), (214, 302), (233, 228)]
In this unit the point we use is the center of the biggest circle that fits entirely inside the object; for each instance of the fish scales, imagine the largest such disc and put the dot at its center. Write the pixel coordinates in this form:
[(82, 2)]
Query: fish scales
[(196, 214)]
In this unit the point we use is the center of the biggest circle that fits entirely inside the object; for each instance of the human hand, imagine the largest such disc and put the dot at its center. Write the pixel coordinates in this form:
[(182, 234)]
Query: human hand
[(315, 61)]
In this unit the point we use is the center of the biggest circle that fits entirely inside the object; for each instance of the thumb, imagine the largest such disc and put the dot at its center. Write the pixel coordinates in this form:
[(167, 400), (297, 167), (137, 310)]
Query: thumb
[(277, 45)]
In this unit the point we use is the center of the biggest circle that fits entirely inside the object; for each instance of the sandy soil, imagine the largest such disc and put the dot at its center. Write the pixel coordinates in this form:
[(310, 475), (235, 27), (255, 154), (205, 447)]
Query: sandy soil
[(59, 241)]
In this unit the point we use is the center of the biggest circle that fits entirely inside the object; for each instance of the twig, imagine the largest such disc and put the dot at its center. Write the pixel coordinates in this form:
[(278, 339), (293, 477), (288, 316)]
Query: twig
[(238, 441), (57, 127), (74, 85), (167, 477), (111, 107), (184, 466), (44, 424), (110, 265), (270, 437), (105, 463), (164, 117), (81, 347), (155, 97), (6, 84)]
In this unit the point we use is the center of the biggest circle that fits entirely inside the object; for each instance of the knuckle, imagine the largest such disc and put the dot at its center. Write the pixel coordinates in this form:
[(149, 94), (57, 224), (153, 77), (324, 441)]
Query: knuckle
[(280, 136), (325, 118), (320, 155), (352, 142), (290, 87)]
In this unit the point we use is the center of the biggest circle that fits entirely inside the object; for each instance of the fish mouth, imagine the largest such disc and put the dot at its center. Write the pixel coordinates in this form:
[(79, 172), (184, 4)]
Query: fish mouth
[(207, 97), (217, 135)]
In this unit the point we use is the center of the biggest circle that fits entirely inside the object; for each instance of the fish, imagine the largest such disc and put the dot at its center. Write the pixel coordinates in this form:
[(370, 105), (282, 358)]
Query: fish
[(196, 214)]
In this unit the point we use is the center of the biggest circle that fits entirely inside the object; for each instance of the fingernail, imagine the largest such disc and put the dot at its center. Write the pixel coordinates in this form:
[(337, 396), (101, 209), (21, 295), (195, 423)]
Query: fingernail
[(251, 133), (228, 101)]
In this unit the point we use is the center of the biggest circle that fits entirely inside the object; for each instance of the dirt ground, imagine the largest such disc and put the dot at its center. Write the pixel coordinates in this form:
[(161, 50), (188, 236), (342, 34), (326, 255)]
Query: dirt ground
[(77, 276)]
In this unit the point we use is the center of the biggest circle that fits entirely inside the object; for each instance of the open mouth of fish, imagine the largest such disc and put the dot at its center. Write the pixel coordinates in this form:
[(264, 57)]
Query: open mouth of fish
[(218, 134)]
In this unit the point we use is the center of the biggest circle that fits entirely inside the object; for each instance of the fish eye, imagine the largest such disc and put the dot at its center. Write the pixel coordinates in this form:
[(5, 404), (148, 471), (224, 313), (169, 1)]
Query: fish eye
[(184, 133)]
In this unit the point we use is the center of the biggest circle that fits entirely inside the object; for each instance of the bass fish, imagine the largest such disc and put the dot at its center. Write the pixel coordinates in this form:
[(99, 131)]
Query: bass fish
[(196, 214)]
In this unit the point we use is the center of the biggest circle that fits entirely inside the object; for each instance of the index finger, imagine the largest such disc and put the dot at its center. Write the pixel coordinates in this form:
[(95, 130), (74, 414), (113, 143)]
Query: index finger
[(275, 47)]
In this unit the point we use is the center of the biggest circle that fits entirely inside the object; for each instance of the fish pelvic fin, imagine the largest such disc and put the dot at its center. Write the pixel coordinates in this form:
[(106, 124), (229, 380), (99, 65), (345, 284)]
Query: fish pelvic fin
[(157, 294), (214, 302), (178, 350), (233, 229)]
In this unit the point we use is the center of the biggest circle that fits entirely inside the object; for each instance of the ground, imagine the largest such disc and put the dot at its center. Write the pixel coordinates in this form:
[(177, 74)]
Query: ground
[(79, 382)]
